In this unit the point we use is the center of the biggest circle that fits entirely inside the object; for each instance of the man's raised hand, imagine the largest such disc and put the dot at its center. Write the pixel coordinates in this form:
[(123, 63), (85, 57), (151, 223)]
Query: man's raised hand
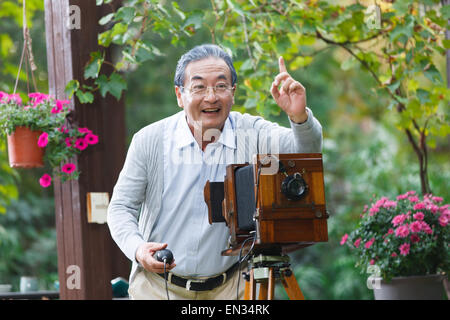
[(291, 96)]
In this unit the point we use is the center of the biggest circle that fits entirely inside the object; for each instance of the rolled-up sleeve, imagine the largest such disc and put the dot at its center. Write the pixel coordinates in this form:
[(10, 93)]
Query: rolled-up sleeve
[(127, 198)]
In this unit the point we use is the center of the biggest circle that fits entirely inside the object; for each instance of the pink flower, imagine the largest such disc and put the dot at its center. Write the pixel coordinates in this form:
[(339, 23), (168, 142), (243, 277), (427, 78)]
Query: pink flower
[(68, 168), (45, 181), (60, 103), (357, 243), (443, 220), (56, 109), (63, 129), (419, 216), (84, 130), (81, 144), (402, 231), (404, 249), (419, 206), (369, 243), (91, 138), (381, 202), (373, 210), (38, 97), (16, 97), (393, 254), (372, 262), (416, 226), (414, 238), (43, 140), (3, 97), (413, 199), (399, 219), (390, 204), (344, 239), (437, 199), (426, 228), (433, 208), (402, 196), (68, 142)]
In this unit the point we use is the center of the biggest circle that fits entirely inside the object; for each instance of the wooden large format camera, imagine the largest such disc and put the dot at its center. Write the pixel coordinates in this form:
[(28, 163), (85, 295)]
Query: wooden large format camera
[(278, 198)]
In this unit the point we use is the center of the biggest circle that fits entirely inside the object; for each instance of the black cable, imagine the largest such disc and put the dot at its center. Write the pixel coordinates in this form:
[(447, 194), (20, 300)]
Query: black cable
[(165, 278), (241, 260)]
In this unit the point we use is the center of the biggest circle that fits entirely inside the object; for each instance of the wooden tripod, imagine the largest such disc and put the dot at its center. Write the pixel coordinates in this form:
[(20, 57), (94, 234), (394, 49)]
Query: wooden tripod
[(264, 270)]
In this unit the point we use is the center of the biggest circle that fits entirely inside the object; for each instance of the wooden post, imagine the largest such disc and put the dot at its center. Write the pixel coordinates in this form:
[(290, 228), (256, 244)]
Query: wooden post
[(88, 259)]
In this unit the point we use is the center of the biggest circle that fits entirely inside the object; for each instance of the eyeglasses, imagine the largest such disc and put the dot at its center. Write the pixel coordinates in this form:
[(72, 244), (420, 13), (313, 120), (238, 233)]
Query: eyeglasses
[(200, 90)]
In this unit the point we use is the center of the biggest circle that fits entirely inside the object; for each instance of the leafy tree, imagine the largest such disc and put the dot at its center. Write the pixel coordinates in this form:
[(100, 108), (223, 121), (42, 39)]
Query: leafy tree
[(398, 47)]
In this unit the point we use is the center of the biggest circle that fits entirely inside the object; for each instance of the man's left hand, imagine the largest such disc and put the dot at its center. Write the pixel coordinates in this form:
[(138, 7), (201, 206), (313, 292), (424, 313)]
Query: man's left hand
[(291, 97)]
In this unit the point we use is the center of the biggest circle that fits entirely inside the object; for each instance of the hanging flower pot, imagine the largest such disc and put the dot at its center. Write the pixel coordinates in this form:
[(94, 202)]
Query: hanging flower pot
[(23, 149), (39, 132)]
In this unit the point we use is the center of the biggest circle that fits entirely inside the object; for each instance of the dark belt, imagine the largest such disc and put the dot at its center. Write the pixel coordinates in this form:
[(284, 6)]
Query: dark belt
[(201, 284)]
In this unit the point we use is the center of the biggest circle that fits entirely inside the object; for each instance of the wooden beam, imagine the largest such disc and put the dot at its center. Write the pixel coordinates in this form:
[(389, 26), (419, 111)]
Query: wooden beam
[(86, 246)]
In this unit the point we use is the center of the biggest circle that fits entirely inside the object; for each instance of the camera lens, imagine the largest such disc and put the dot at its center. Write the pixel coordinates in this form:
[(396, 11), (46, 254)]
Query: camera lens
[(294, 187)]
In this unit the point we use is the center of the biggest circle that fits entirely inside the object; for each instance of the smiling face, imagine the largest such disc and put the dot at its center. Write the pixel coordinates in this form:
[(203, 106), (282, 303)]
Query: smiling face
[(210, 110)]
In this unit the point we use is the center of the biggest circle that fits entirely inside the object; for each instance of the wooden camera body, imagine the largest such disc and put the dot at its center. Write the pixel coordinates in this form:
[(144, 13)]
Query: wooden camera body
[(286, 208)]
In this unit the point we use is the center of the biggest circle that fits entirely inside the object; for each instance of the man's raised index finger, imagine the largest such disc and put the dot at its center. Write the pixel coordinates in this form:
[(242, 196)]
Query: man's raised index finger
[(281, 65)]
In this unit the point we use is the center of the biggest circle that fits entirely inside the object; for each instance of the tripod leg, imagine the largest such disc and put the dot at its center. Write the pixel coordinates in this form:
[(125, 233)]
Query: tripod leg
[(252, 286), (263, 286), (271, 286), (291, 286), (247, 290)]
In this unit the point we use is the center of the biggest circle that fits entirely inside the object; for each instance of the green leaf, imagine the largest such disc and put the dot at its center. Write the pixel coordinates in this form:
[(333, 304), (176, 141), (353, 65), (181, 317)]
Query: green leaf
[(104, 20), (423, 95), (117, 85), (71, 87), (93, 68), (195, 18), (118, 33), (177, 10), (114, 85), (433, 74), (104, 38), (126, 14), (446, 43), (85, 97), (445, 11), (401, 6), (236, 7)]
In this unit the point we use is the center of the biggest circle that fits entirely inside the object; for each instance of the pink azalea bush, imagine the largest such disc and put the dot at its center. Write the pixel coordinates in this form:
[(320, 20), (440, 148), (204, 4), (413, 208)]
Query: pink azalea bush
[(403, 237), (60, 139)]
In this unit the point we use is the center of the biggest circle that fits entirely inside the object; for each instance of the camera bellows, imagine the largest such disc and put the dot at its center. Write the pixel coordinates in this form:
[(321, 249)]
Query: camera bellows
[(245, 198)]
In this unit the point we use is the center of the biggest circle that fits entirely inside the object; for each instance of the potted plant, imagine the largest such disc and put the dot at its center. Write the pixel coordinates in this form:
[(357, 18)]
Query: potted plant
[(404, 244), (44, 122)]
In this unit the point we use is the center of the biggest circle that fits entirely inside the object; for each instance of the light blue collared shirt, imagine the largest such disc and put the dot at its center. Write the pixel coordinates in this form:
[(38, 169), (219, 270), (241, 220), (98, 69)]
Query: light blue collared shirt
[(183, 221)]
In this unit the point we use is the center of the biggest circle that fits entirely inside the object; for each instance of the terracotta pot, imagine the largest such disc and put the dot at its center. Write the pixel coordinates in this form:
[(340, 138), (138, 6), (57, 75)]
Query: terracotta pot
[(429, 287), (23, 149)]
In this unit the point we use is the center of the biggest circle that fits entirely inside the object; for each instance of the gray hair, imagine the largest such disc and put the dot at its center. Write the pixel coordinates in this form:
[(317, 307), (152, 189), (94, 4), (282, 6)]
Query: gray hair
[(202, 52)]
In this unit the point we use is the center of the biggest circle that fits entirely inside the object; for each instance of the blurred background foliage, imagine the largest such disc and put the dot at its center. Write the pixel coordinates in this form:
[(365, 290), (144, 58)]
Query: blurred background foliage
[(364, 154)]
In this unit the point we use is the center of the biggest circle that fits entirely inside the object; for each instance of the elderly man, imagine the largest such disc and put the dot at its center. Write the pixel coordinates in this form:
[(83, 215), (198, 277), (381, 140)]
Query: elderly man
[(158, 199)]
